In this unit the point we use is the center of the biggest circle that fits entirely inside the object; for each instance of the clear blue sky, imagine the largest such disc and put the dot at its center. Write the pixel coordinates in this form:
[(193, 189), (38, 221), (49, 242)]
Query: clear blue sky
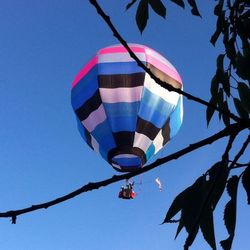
[(42, 47)]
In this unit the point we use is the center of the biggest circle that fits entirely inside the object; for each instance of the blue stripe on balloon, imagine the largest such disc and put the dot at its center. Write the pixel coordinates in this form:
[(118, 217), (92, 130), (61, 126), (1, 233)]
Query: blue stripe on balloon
[(118, 124), (154, 109), (150, 114), (85, 88), (122, 116), (103, 135), (175, 119), (121, 108), (157, 102), (118, 68), (128, 161), (150, 152)]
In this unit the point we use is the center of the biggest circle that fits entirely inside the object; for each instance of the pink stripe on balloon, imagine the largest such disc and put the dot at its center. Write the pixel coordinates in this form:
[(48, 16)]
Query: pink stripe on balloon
[(120, 49), (121, 94), (164, 68), (84, 71), (94, 119)]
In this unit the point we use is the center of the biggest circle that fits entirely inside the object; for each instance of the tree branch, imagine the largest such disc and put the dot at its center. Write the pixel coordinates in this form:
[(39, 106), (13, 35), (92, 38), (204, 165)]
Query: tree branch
[(160, 82), (225, 156), (240, 165), (233, 128), (240, 153)]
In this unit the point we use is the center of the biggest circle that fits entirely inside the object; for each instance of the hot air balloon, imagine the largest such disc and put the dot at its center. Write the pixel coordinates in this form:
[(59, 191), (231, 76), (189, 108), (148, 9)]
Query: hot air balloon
[(121, 112)]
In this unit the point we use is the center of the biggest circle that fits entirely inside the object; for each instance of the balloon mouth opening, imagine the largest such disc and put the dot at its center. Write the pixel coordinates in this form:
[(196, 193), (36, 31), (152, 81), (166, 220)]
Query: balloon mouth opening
[(126, 162)]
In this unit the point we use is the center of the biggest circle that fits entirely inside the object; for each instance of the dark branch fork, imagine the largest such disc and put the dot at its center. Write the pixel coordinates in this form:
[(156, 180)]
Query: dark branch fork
[(240, 153)]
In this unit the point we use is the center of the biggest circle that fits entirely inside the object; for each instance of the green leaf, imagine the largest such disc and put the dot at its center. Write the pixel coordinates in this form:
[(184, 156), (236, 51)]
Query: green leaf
[(221, 75), (225, 118), (215, 36), (218, 174), (179, 2), (158, 7), (218, 8), (214, 86), (175, 207), (180, 227), (244, 93), (191, 237), (221, 23), (130, 4), (196, 204), (246, 14), (226, 84), (194, 9), (220, 61), (193, 209), (142, 15), (215, 187), (193, 203), (189, 203), (230, 50), (223, 78), (242, 27), (207, 227), (227, 244), (246, 182), (246, 48), (226, 37), (242, 66), (210, 110), (230, 212), (220, 100), (240, 109)]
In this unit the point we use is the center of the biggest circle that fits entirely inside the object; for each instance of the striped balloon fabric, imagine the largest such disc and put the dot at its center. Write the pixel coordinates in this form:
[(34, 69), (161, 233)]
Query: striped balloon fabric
[(121, 112)]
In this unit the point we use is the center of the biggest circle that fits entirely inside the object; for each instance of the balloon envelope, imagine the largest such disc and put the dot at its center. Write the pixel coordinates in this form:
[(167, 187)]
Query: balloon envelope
[(122, 113)]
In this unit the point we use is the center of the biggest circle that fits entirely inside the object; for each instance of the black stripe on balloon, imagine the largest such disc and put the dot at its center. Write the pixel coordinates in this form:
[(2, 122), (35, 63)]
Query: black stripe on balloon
[(127, 169), (146, 128), (166, 132), (89, 106), (88, 138), (127, 150), (121, 80), (124, 138)]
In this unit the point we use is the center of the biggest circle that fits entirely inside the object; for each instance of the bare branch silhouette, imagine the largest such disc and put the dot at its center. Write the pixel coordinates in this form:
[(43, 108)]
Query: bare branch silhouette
[(240, 153), (234, 128)]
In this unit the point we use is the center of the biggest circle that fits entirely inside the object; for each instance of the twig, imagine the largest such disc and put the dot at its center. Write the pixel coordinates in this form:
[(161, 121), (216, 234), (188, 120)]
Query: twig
[(240, 153), (240, 165), (225, 156)]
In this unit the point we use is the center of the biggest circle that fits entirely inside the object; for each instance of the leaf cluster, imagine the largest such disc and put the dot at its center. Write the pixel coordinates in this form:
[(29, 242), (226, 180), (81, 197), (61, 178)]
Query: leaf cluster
[(230, 85), (197, 203), (142, 12)]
